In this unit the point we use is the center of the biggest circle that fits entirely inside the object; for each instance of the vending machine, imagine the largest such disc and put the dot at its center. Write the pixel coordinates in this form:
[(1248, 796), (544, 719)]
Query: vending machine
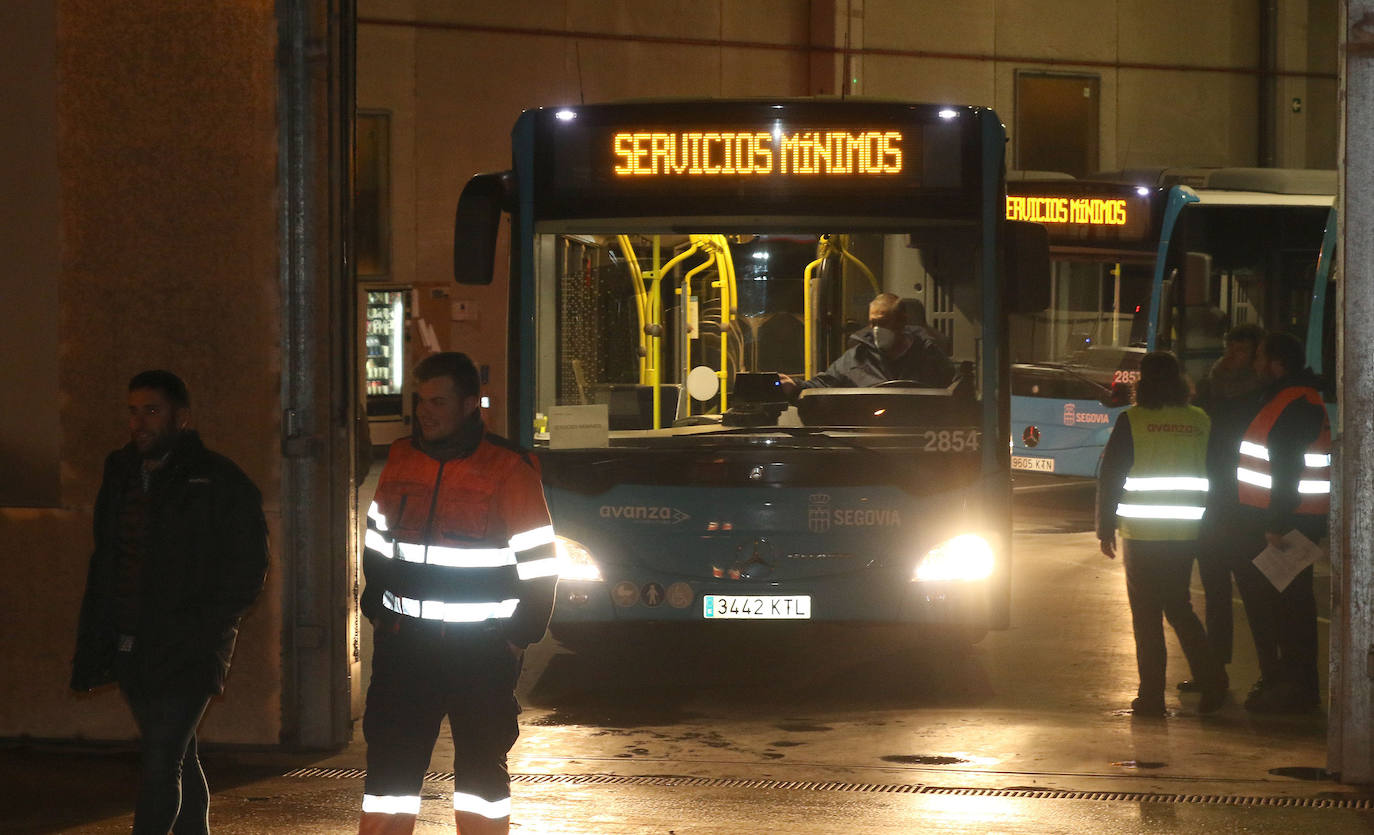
[(386, 360)]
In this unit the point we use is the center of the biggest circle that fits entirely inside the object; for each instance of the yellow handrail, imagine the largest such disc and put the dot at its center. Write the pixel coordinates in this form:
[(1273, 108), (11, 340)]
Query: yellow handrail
[(808, 329), (656, 304), (687, 289), (655, 334), (838, 243), (726, 283), (637, 278)]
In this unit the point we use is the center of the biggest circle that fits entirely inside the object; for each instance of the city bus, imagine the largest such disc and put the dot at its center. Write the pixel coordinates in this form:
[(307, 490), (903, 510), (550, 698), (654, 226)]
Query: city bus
[(1164, 259), (670, 262)]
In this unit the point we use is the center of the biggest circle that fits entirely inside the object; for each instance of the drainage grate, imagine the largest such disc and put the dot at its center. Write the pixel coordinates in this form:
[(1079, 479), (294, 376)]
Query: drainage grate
[(878, 788)]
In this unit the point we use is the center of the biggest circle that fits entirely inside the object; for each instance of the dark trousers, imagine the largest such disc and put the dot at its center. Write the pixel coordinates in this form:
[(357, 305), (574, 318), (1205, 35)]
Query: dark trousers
[(172, 793), (1215, 572), (422, 673), (1284, 624), (1157, 578)]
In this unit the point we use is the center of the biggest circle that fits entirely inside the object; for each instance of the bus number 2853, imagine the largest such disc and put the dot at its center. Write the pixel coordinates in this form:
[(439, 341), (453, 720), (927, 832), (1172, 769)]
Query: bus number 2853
[(950, 440)]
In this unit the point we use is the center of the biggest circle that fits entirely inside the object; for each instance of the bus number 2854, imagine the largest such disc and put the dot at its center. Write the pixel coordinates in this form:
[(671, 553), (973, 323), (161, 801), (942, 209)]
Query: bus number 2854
[(950, 440)]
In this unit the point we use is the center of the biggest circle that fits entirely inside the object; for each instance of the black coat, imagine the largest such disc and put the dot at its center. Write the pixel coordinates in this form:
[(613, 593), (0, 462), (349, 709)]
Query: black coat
[(864, 364), (204, 563)]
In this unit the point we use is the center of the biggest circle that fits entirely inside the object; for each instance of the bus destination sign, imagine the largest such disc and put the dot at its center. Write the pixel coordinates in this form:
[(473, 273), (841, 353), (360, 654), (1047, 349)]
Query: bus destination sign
[(1092, 211), (1085, 212), (746, 153), (657, 160)]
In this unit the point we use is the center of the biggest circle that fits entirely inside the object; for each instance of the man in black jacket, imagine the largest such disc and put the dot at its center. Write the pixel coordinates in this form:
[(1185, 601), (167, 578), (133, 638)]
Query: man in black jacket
[(180, 555), (890, 348), (1230, 394)]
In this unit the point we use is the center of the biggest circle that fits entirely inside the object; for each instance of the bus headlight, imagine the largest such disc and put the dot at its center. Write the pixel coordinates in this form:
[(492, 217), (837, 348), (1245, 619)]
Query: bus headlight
[(966, 557), (575, 561)]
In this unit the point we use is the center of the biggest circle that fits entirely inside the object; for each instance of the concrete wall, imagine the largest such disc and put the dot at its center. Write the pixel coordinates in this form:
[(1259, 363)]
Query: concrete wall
[(165, 124), (1178, 83)]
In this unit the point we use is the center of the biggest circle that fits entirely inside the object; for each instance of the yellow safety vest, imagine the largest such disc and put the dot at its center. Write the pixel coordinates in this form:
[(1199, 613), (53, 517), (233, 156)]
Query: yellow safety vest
[(1166, 489)]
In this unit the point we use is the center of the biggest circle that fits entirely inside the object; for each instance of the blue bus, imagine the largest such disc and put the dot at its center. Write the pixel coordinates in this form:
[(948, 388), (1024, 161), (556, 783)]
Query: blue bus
[(669, 261), (1159, 259)]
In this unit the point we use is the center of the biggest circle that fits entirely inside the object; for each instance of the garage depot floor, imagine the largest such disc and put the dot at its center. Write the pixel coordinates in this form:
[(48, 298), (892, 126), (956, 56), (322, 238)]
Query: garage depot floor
[(824, 730)]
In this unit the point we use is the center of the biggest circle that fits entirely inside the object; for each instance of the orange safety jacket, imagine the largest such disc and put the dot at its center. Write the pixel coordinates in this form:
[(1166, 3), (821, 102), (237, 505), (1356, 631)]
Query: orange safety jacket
[(1256, 480), (466, 540)]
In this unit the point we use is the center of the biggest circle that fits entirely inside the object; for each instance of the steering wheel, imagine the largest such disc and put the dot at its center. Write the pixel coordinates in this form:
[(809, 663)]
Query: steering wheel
[(898, 384)]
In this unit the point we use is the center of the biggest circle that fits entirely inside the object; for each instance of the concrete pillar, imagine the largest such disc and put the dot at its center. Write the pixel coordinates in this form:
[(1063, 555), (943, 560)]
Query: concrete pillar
[(1291, 97), (1351, 748), (836, 26), (315, 70)]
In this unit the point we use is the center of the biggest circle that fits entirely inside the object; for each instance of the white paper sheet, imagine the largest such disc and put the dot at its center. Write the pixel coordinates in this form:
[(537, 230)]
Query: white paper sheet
[(573, 427), (1281, 565)]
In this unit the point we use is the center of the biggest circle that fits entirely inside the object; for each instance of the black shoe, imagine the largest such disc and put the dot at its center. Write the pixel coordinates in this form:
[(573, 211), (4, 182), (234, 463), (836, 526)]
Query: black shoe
[(1147, 707), (1262, 699), (1280, 699), (1212, 700)]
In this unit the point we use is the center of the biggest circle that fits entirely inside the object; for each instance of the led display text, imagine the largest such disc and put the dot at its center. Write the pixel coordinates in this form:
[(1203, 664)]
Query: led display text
[(1085, 210), (757, 153)]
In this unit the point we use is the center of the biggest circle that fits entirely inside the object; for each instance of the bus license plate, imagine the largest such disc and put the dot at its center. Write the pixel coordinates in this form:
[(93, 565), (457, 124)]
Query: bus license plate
[(1026, 462), (757, 607)]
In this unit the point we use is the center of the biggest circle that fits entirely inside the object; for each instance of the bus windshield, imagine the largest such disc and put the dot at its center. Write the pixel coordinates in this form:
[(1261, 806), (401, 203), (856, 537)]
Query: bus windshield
[(1234, 263), (1103, 240), (757, 338)]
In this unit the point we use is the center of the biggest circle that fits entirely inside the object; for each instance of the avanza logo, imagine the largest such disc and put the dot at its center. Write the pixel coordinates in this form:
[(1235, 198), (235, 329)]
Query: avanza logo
[(643, 513), (1177, 428)]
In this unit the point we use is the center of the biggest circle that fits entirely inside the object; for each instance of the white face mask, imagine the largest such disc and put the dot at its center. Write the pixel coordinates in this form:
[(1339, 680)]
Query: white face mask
[(884, 338)]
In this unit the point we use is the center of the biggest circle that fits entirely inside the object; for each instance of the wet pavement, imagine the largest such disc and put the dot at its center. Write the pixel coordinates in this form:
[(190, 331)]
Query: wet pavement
[(815, 729)]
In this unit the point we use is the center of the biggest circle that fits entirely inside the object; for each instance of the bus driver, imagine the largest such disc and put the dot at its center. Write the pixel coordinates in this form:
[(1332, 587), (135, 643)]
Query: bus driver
[(890, 348)]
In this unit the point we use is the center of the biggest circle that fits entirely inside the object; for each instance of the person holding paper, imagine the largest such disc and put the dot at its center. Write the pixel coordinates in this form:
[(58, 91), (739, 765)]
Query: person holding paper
[(1284, 485), (1153, 488)]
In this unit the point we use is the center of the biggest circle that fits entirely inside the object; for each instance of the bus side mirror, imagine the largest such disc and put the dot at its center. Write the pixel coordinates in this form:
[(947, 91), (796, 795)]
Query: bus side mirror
[(1026, 266), (476, 225)]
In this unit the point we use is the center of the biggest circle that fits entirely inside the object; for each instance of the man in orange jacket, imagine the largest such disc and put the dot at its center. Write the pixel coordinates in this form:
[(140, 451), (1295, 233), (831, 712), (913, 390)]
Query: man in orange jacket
[(1284, 481), (461, 572)]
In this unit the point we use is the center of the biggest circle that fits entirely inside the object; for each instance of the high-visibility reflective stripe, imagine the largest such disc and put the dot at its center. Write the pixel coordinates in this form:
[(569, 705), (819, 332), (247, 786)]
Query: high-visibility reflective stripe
[(470, 557), (1311, 459), (490, 809), (444, 555), (526, 540), (390, 804), (377, 542), (1159, 511), (1166, 484), (402, 605), (533, 569), (1314, 487), (375, 514), (450, 612), (1252, 477)]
